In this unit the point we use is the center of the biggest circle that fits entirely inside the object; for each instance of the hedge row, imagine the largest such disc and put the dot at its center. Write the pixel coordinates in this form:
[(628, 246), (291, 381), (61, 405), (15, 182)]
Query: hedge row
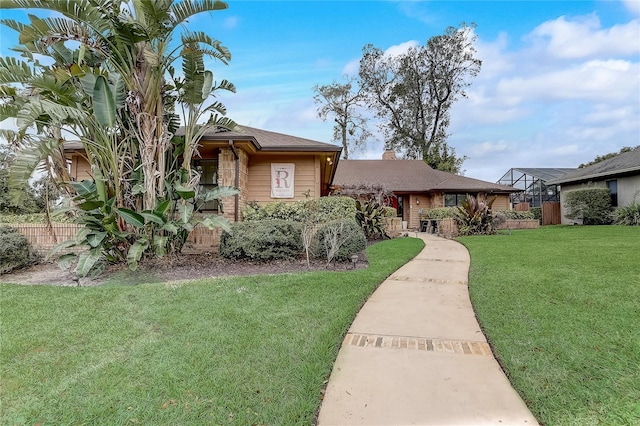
[(321, 210), (282, 239)]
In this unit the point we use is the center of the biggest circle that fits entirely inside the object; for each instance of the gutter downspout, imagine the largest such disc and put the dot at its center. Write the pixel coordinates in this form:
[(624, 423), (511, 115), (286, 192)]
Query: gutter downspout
[(236, 180)]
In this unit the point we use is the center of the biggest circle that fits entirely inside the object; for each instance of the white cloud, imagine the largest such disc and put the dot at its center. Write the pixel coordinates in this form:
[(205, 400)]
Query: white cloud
[(565, 149), (401, 48), (633, 6), (231, 22), (484, 148), (584, 37), (352, 67), (592, 80), (495, 61)]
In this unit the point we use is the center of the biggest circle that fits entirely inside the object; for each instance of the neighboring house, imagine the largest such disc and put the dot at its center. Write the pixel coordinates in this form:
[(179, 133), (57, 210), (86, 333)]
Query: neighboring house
[(265, 166), (415, 186), (621, 174)]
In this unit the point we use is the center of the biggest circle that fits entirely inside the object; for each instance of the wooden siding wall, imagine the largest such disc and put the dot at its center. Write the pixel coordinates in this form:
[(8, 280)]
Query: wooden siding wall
[(80, 168), (502, 202), (307, 177)]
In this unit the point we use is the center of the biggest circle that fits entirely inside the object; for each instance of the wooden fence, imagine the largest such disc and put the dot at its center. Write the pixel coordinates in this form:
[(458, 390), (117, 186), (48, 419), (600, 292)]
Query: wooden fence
[(43, 239), (551, 213)]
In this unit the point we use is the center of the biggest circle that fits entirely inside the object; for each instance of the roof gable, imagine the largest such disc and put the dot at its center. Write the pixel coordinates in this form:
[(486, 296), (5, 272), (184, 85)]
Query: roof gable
[(265, 140), (408, 176)]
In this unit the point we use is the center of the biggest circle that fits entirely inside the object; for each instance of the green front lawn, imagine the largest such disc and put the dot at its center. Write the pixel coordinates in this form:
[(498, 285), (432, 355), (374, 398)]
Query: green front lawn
[(561, 307), (250, 350)]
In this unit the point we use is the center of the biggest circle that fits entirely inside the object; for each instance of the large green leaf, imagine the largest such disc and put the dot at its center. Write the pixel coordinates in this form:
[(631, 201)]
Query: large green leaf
[(59, 247), (104, 105), (86, 261), (135, 252), (150, 216), (185, 212), (160, 245), (90, 205), (184, 192), (101, 188), (215, 221), (207, 84), (81, 235), (84, 188), (66, 260), (218, 193), (96, 238), (162, 207), (131, 217), (170, 227)]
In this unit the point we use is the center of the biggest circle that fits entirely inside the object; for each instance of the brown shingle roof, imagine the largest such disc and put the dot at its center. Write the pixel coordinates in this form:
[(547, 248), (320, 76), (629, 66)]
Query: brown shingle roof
[(271, 141), (408, 176), (627, 163)]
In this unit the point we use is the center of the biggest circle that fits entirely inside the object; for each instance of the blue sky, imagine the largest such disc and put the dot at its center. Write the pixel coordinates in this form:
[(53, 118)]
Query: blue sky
[(559, 85)]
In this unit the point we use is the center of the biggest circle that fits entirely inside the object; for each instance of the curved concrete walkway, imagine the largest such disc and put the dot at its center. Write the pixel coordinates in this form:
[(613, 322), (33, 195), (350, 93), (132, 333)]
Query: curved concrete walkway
[(415, 354)]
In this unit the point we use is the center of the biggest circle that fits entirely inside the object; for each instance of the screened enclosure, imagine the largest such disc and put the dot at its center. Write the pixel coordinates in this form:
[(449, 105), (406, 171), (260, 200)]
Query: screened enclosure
[(532, 183)]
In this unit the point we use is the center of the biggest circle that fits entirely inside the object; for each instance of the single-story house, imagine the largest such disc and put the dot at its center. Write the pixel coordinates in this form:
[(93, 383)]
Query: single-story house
[(621, 174), (266, 166), (416, 186), (269, 166)]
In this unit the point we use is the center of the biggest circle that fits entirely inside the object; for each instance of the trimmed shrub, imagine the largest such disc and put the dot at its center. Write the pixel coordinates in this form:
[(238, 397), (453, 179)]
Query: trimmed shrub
[(262, 240), (339, 240), (390, 211), (536, 212), (627, 215), (15, 250), (518, 215), (592, 206), (440, 213), (323, 209)]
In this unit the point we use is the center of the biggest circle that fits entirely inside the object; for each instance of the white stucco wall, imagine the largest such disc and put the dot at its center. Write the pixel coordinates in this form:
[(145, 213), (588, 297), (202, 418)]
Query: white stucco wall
[(628, 190)]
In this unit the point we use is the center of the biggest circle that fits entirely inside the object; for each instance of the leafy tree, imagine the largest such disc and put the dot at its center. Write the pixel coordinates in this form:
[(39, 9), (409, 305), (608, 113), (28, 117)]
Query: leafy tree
[(341, 102), (600, 158), (412, 93), (111, 86)]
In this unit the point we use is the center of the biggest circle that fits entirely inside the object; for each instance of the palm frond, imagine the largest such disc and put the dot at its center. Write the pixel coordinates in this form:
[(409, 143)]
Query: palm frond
[(13, 70), (185, 9), (81, 10), (13, 24), (201, 38), (38, 110), (27, 159)]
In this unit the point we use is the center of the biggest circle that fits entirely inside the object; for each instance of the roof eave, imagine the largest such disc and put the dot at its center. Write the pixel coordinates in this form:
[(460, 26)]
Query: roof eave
[(586, 178)]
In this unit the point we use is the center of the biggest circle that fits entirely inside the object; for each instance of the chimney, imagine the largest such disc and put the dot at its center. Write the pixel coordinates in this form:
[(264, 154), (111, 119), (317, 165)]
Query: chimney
[(389, 154)]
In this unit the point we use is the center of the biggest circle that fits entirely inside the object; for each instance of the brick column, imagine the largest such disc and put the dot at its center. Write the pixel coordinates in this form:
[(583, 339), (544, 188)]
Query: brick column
[(226, 177)]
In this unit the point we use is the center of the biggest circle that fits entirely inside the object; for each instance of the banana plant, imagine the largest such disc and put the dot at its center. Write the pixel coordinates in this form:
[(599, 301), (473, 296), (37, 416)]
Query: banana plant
[(115, 92)]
